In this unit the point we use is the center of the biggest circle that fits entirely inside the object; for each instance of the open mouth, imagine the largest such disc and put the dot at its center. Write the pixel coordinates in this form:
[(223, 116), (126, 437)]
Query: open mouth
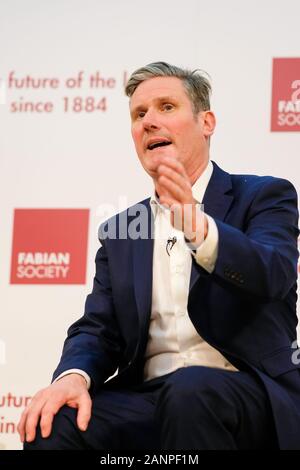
[(155, 145)]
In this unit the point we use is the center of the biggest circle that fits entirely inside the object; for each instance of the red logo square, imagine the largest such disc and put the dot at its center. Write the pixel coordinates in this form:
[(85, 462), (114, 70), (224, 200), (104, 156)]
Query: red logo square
[(49, 246), (286, 95)]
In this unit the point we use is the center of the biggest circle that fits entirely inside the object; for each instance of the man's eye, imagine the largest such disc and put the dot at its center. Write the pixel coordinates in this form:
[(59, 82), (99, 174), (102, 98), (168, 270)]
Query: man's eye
[(141, 114), (168, 107)]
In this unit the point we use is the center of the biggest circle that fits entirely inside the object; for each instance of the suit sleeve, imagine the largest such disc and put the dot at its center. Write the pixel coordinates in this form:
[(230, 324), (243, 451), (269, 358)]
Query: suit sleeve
[(94, 342), (262, 259)]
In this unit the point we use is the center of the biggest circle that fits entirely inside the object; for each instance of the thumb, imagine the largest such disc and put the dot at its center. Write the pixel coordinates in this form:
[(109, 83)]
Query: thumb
[(84, 411), (161, 191)]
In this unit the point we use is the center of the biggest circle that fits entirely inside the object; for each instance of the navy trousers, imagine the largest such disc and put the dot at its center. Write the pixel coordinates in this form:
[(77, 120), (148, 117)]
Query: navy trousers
[(194, 408)]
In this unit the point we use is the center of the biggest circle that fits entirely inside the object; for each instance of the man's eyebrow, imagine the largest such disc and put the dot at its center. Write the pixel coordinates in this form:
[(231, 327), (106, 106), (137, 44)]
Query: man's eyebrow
[(165, 98), (159, 99), (138, 108)]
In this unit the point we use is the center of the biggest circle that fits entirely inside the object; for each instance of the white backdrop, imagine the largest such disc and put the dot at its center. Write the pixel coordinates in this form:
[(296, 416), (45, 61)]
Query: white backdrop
[(82, 160)]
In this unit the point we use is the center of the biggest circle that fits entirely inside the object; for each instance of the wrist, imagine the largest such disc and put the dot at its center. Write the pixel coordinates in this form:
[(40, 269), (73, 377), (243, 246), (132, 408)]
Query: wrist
[(74, 376)]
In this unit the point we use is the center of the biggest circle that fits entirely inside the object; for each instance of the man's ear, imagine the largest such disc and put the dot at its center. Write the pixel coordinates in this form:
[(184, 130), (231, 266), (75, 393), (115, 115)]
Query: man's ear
[(209, 123)]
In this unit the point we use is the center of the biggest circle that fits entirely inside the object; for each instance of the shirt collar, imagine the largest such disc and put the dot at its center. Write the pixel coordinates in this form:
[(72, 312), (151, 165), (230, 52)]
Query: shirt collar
[(198, 189)]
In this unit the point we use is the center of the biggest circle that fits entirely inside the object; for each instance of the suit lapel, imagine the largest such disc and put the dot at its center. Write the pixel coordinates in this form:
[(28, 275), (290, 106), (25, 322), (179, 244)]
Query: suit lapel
[(217, 200), (142, 268)]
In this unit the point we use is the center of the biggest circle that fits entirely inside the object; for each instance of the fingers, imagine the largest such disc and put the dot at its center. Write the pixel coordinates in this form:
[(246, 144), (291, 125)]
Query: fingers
[(48, 412), (168, 162), (21, 426), (176, 177), (176, 185), (175, 191), (44, 409), (69, 390), (84, 411), (161, 190), (172, 164), (30, 417)]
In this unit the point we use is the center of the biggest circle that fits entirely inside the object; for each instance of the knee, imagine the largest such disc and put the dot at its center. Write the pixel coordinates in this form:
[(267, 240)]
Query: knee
[(63, 433), (191, 387)]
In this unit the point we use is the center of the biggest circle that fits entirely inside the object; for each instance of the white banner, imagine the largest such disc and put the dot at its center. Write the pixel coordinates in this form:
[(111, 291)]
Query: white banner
[(66, 149)]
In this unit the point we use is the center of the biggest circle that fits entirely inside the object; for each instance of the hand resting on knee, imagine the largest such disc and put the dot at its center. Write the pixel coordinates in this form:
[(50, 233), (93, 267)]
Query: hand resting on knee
[(70, 390)]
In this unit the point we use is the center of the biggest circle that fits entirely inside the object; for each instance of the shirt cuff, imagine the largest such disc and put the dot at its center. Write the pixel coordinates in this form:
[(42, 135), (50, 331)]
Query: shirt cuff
[(76, 371), (206, 254)]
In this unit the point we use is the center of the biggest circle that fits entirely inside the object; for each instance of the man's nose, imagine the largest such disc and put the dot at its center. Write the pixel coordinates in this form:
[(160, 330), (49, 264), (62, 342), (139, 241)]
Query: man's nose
[(151, 121)]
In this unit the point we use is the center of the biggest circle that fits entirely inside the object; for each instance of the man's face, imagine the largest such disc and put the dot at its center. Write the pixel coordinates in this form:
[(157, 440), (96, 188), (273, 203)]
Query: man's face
[(163, 123)]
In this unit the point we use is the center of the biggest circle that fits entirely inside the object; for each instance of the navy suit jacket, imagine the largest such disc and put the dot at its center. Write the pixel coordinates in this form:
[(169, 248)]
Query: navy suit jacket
[(246, 308)]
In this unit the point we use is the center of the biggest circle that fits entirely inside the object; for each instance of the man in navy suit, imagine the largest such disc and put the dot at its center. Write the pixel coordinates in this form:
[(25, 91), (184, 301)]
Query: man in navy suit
[(194, 305)]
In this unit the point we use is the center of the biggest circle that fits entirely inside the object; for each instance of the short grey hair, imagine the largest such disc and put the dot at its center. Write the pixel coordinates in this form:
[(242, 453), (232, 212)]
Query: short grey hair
[(196, 84)]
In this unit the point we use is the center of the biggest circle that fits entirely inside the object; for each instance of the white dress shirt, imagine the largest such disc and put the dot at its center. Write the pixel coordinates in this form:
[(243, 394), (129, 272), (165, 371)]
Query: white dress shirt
[(173, 341)]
